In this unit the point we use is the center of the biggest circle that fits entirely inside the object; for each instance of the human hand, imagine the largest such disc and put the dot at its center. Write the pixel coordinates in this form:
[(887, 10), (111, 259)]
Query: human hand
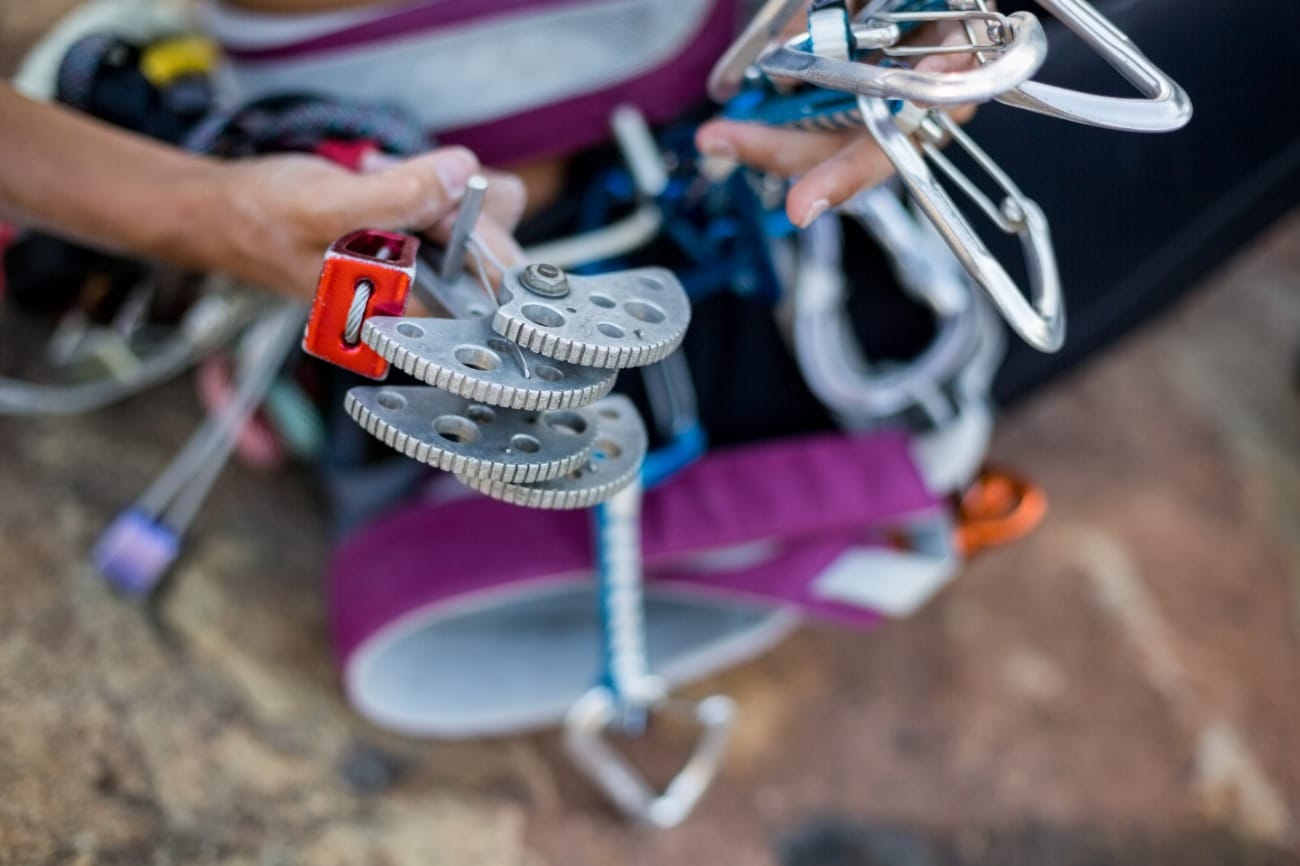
[(277, 215), (830, 167)]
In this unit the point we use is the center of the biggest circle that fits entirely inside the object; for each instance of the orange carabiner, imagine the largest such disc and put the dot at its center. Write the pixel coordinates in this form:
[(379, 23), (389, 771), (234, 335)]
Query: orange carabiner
[(999, 507)]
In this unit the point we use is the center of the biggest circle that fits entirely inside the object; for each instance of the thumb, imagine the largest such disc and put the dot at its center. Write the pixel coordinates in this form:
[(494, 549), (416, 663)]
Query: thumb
[(413, 194)]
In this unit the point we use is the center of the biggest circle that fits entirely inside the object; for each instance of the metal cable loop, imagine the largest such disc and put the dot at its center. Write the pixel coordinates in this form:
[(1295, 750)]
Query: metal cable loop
[(357, 312)]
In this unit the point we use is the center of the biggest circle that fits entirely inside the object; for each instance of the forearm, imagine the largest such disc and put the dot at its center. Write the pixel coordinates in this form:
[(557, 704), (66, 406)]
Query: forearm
[(73, 175), (266, 220)]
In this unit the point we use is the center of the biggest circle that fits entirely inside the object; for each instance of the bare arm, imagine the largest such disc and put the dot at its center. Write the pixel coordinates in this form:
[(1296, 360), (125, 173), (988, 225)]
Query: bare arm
[(266, 220), (65, 172)]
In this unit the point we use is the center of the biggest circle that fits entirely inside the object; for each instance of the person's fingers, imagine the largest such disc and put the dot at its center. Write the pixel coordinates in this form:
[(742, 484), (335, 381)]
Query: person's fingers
[(859, 166), (784, 152), (506, 198), (412, 194), (834, 165)]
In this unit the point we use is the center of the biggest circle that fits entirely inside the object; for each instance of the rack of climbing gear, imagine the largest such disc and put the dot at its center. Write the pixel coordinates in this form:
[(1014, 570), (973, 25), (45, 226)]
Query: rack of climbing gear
[(834, 57)]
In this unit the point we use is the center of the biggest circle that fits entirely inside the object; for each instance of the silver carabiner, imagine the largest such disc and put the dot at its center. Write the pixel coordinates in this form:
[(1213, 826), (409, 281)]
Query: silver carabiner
[(1039, 319), (728, 74), (597, 711), (1165, 106), (1023, 55)]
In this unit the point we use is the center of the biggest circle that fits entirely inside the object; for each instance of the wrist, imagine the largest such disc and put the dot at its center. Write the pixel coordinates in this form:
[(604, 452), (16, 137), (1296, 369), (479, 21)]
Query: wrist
[(186, 224)]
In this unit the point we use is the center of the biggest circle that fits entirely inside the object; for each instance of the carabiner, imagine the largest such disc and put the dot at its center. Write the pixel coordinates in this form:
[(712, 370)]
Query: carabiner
[(728, 74), (596, 712), (860, 392), (1165, 106), (1023, 56), (1040, 321), (998, 507)]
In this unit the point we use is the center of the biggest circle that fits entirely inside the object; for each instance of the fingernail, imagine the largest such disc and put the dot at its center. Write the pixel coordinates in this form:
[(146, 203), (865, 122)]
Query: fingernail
[(719, 147), (454, 170), (815, 210)]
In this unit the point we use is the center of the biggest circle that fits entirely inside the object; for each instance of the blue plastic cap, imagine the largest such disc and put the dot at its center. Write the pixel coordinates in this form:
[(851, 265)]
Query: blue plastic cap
[(135, 552)]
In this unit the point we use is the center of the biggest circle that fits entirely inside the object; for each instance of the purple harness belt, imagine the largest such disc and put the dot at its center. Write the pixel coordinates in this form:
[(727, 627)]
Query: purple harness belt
[(740, 532)]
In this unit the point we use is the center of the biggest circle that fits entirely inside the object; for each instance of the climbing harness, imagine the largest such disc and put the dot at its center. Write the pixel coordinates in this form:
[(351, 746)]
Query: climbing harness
[(738, 532), (797, 524)]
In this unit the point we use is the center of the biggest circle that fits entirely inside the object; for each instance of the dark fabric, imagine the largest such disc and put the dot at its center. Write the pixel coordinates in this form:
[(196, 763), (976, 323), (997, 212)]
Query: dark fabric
[(101, 76), (1140, 219)]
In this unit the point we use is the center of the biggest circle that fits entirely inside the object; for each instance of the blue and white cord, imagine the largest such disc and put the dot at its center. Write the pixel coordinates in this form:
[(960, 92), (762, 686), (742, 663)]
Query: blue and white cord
[(622, 613)]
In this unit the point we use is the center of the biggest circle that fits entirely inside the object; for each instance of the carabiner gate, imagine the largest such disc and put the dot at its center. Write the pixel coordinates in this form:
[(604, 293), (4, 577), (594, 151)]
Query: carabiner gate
[(825, 56), (1021, 54), (916, 134)]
